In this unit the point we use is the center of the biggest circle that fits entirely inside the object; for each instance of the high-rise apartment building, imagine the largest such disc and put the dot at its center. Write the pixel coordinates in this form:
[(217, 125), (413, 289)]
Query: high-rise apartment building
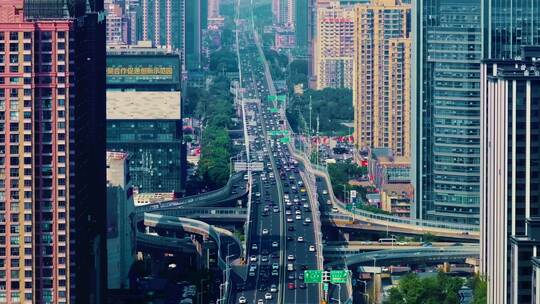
[(162, 22), (445, 114), (510, 178), (117, 24), (334, 47), (52, 128), (381, 82), (213, 9), (283, 12)]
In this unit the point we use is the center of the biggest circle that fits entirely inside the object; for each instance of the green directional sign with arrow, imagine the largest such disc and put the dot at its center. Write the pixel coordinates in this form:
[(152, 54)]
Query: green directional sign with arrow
[(285, 140), (339, 276), (313, 276)]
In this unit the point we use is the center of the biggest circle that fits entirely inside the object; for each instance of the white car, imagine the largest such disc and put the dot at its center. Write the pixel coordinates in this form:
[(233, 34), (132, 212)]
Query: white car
[(275, 266), (275, 244), (289, 220), (298, 212), (308, 220), (265, 231), (300, 239), (242, 300), (268, 296), (260, 301), (288, 212), (290, 257), (324, 192), (253, 258), (298, 217), (312, 248)]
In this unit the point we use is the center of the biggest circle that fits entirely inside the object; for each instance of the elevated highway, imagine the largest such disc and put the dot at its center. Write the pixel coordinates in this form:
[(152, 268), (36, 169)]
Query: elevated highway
[(222, 237), (235, 188), (354, 257)]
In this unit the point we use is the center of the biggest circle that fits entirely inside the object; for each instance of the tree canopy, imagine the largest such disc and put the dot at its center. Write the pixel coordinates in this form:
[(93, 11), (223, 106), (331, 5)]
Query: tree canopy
[(339, 100), (440, 289)]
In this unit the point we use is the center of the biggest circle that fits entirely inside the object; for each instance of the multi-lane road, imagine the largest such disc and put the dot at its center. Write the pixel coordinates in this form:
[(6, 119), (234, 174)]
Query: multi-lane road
[(281, 240)]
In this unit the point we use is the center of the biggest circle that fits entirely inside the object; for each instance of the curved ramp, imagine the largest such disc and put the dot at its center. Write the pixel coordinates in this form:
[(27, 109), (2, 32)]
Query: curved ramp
[(204, 199), (222, 237)]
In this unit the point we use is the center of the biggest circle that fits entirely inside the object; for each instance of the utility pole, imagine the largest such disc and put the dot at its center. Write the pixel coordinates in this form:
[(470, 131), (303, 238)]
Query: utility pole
[(317, 152), (309, 127)]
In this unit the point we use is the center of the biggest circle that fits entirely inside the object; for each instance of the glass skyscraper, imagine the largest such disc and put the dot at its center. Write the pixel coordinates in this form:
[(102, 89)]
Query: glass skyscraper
[(445, 110), (509, 24)]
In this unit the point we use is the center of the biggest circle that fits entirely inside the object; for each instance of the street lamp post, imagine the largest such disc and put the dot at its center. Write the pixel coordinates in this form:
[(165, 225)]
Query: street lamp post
[(365, 289)]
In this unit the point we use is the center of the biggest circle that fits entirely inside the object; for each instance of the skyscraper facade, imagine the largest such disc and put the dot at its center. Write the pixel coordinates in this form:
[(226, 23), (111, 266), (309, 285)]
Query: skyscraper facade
[(120, 235), (52, 183), (508, 25), (334, 47), (301, 22), (510, 178), (193, 37), (445, 105), (381, 82)]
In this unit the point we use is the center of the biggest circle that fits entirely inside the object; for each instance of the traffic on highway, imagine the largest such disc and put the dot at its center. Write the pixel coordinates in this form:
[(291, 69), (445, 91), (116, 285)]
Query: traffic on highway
[(280, 245)]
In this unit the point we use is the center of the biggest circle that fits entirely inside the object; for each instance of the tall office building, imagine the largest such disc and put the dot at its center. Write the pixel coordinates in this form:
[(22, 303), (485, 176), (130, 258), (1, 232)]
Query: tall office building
[(445, 114), (334, 47), (301, 22), (510, 178), (52, 179), (120, 205), (194, 15), (144, 115), (381, 82), (507, 231), (508, 25), (162, 22)]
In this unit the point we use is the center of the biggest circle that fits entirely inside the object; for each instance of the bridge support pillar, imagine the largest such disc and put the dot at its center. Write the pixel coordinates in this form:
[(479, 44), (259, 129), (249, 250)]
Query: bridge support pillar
[(377, 284), (157, 264), (346, 236)]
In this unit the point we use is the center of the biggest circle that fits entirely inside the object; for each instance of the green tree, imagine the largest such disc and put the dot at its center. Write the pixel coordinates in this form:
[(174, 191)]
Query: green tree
[(479, 287), (433, 290)]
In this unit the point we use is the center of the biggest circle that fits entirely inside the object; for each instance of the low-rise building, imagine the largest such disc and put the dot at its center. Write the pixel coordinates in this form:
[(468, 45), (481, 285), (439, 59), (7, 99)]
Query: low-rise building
[(396, 198), (384, 168)]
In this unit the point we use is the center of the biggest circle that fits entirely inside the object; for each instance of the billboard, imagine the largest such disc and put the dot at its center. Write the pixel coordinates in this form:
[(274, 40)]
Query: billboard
[(143, 69)]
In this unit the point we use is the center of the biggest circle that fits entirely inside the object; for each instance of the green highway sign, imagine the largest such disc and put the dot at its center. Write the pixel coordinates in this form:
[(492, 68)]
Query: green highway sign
[(313, 276), (339, 276), (281, 98), (271, 97), (285, 140), (273, 110), (325, 287)]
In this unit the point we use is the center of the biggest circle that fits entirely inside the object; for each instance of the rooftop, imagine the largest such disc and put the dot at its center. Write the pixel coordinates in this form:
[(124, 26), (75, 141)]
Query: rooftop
[(143, 105), (401, 190)]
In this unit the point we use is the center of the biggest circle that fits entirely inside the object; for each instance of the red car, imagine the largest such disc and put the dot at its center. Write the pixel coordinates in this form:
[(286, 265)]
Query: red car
[(291, 285)]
